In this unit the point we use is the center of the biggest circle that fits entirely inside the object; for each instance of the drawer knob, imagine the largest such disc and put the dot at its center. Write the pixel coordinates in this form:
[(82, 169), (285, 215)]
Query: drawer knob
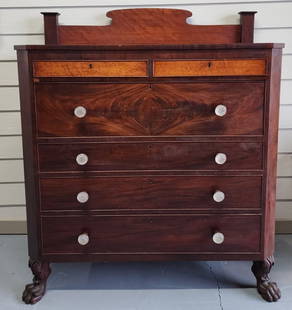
[(83, 239), (82, 197), (218, 238), (81, 159), (220, 110), (218, 196), (80, 112), (220, 158)]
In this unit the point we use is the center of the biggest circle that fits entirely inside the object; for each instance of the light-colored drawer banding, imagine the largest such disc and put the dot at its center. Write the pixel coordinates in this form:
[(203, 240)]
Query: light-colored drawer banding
[(90, 68), (167, 68)]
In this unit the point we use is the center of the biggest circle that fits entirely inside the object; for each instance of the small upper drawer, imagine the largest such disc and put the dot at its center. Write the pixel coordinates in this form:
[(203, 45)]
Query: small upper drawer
[(90, 68), (228, 67)]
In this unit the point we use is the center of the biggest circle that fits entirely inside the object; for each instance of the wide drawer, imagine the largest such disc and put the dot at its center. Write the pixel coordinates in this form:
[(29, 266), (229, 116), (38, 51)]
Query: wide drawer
[(151, 234), (150, 156), (151, 193), (88, 109), (90, 68), (212, 67)]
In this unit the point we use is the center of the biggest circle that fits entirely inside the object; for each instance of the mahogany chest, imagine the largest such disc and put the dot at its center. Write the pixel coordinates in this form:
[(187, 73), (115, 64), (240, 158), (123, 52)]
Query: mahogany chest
[(157, 144)]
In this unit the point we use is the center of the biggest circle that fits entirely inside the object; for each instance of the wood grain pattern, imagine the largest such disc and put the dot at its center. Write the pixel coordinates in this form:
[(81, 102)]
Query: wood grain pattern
[(153, 257), (30, 156), (247, 26), (151, 141), (271, 146), (148, 234), (212, 67), (159, 26), (150, 156), (149, 109), (51, 27), (249, 50), (90, 68), (151, 193)]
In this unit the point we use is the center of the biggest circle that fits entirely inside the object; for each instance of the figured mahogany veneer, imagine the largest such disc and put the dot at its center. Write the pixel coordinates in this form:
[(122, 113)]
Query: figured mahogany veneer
[(149, 109), (150, 139), (150, 234), (151, 193), (209, 67), (90, 68), (150, 156), (128, 27)]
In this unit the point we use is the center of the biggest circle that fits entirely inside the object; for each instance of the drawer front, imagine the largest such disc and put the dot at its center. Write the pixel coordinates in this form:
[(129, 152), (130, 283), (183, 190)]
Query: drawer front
[(228, 67), (150, 156), (150, 234), (90, 68), (149, 109), (151, 193)]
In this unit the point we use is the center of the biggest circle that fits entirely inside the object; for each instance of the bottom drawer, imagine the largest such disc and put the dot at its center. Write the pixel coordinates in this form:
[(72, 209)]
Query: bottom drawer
[(151, 234)]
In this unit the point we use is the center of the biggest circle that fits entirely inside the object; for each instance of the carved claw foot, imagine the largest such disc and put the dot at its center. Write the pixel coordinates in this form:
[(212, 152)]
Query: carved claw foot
[(35, 291), (267, 289)]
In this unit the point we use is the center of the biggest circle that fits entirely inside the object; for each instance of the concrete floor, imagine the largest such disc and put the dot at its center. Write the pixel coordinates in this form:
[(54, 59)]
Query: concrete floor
[(143, 286)]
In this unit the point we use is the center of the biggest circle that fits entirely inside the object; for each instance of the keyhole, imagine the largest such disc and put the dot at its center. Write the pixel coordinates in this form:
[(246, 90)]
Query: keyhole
[(209, 64), (90, 66)]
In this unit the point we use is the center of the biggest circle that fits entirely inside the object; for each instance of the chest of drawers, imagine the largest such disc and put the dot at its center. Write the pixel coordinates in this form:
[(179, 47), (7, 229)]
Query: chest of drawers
[(160, 144)]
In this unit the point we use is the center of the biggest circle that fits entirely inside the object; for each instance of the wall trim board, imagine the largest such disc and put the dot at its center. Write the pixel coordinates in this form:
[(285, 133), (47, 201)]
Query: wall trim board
[(19, 227), (13, 227), (283, 227)]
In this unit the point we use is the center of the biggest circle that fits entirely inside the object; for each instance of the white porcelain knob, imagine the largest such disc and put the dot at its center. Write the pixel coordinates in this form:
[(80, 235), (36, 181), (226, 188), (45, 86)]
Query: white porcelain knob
[(83, 239), (220, 158), (218, 196), (220, 110), (82, 197), (218, 238), (81, 159), (80, 112)]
